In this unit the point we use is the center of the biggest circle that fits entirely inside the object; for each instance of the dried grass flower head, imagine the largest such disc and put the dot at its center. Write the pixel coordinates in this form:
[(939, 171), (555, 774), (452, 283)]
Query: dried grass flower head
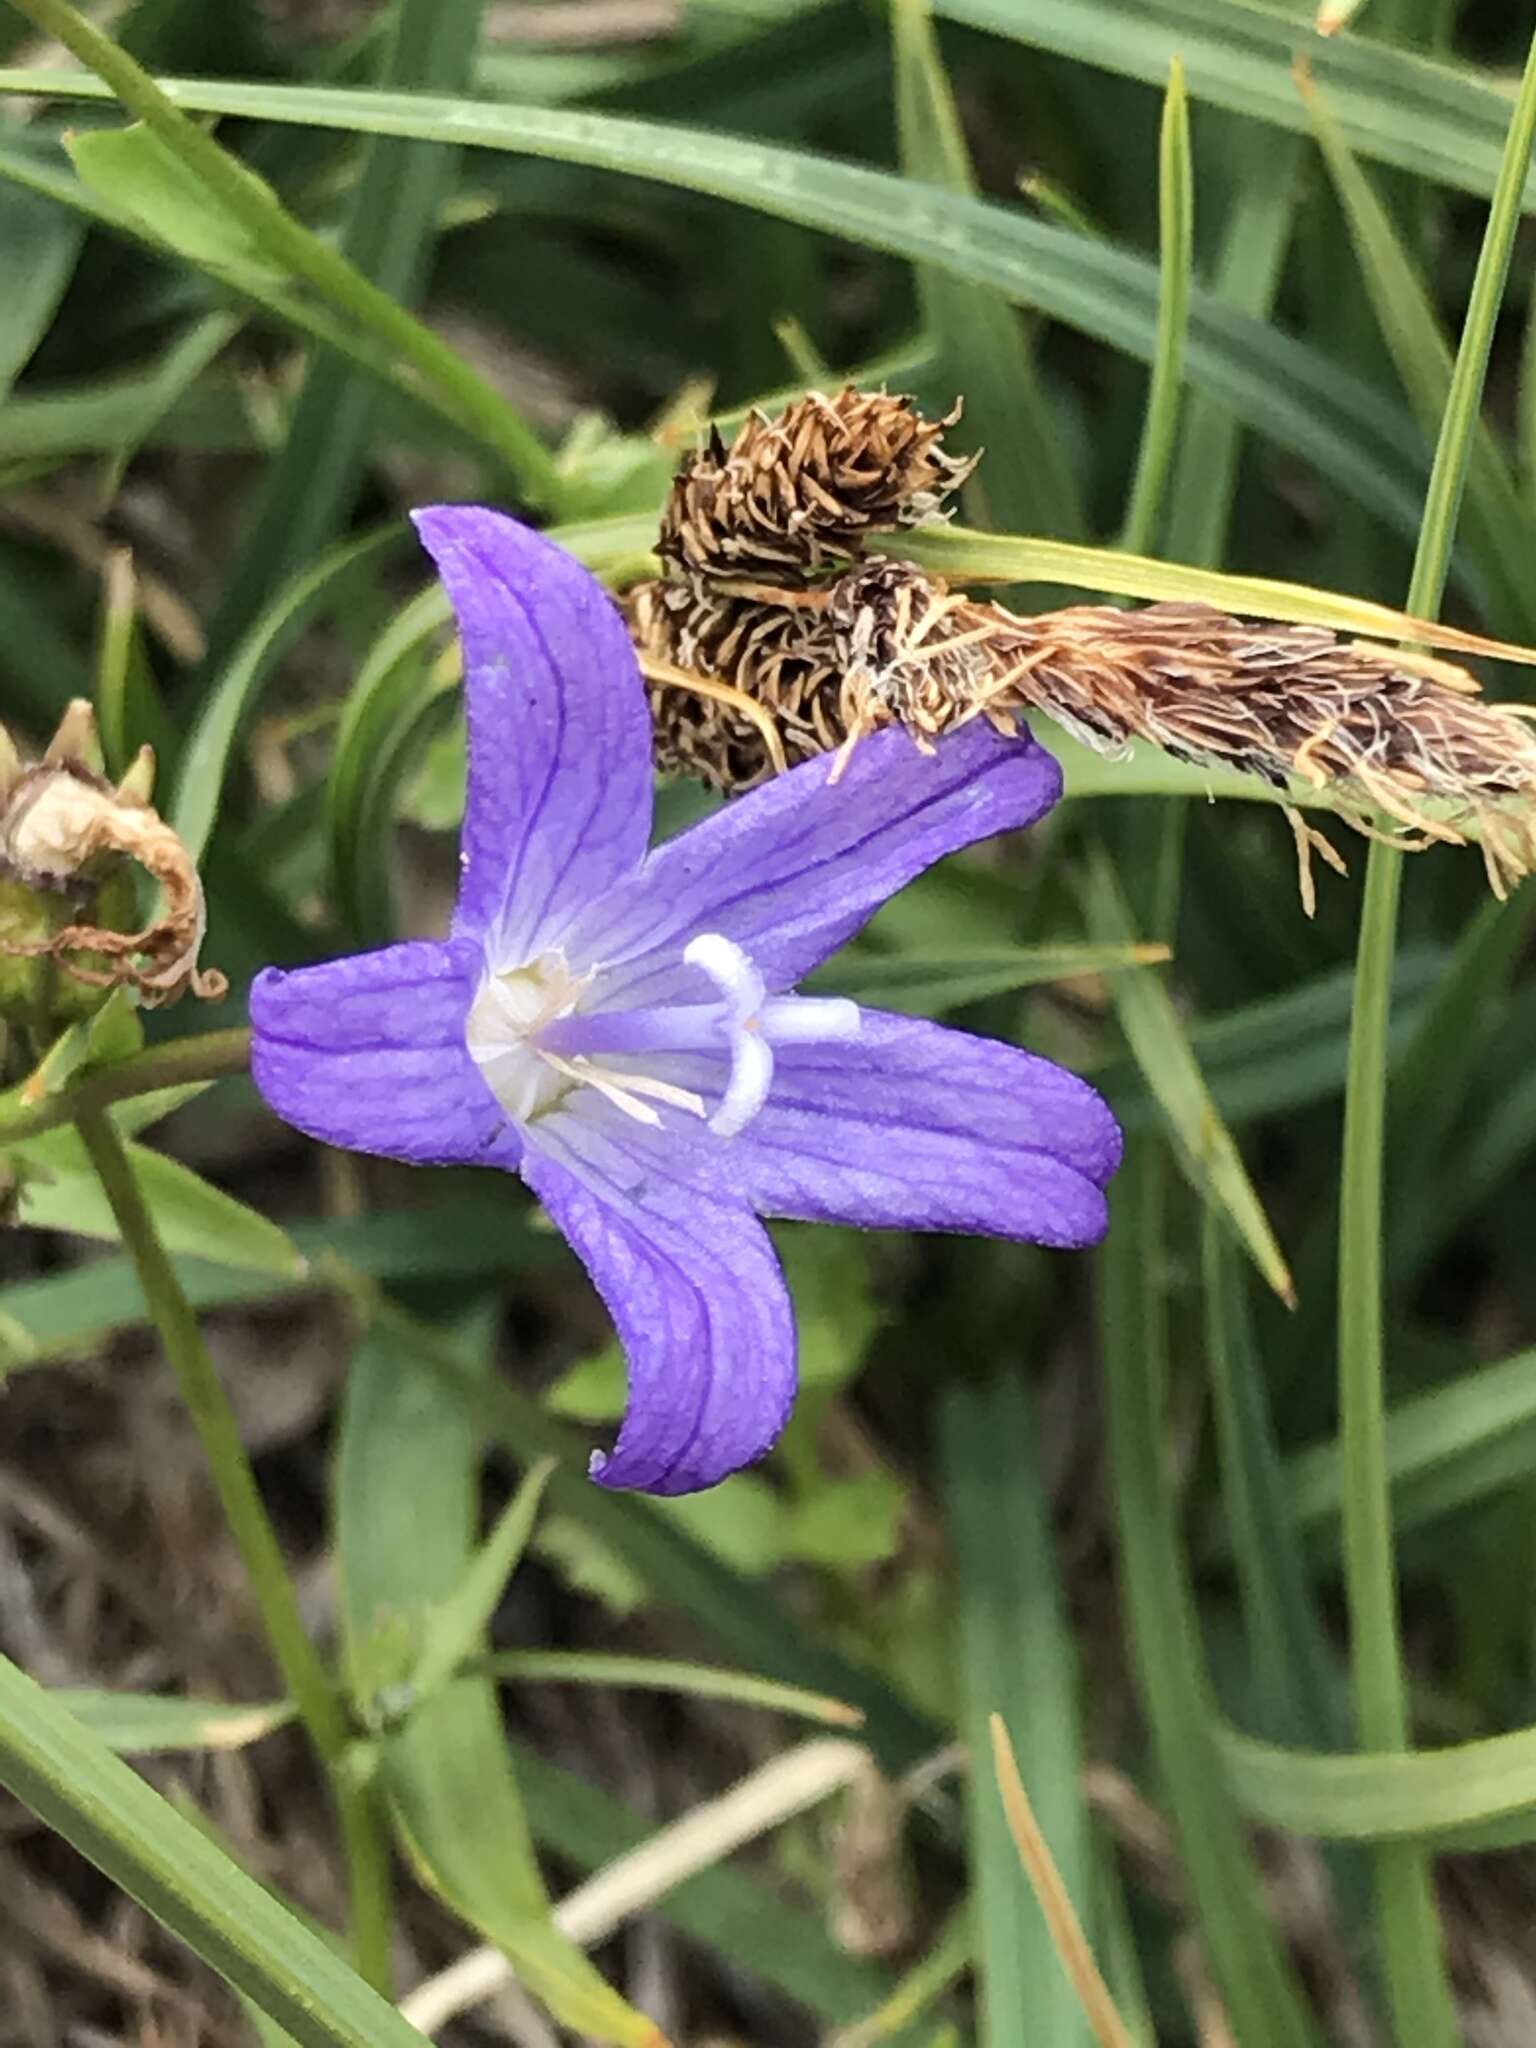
[(775, 635), (67, 839), (804, 488)]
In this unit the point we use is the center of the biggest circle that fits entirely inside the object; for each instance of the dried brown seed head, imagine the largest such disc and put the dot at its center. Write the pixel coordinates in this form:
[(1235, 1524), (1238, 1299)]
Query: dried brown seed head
[(803, 489), (63, 832)]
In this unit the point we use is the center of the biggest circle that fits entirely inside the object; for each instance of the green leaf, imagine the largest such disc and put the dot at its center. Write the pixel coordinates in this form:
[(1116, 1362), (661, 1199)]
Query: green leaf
[(150, 1724), (1255, 240), (741, 1620), (1155, 1031), (457, 1241), (453, 1628), (60, 1191), (179, 368), (845, 1524), (406, 1503), (66, 1775), (133, 169), (42, 246)]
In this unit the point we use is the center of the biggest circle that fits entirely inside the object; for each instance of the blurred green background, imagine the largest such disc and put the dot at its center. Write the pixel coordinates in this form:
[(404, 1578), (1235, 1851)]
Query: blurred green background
[(518, 252)]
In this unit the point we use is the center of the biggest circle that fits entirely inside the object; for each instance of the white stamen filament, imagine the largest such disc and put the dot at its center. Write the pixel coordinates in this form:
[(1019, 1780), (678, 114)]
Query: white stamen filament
[(536, 1046)]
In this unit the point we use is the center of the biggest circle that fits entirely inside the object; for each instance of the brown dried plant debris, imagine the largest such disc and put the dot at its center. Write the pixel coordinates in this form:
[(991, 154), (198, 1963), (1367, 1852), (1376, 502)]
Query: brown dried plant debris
[(803, 489), (63, 829), (753, 668)]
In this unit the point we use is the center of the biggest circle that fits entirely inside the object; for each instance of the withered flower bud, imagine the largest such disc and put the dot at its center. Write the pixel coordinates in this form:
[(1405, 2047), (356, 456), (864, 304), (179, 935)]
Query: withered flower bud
[(793, 493), (67, 839)]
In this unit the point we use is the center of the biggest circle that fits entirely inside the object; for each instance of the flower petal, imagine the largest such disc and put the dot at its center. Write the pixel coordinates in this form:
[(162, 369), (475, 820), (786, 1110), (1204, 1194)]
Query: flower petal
[(698, 1297), (909, 1126), (559, 804), (792, 870), (917, 1127), (368, 1052)]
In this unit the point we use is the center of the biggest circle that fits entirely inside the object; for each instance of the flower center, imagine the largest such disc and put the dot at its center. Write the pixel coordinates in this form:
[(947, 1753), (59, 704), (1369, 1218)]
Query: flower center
[(536, 1044)]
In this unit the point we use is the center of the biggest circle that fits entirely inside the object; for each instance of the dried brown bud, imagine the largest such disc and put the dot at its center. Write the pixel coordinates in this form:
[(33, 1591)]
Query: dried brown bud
[(64, 830), (793, 493)]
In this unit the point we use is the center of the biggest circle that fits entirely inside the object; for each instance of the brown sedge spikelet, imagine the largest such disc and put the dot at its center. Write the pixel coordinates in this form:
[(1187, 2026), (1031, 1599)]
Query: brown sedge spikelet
[(802, 489), (1402, 743)]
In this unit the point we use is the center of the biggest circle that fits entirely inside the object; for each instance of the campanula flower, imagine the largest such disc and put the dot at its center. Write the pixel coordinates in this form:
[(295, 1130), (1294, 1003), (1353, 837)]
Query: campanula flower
[(620, 1026)]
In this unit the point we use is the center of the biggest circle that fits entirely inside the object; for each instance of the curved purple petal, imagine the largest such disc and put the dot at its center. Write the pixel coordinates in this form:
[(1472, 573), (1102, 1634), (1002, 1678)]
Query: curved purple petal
[(918, 1127), (791, 871), (559, 803), (696, 1292), (909, 1126), (368, 1053)]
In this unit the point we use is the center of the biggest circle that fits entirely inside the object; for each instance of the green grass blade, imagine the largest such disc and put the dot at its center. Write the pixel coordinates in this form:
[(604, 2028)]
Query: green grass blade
[(388, 235), (67, 1776), (1247, 278), (150, 1724), (1017, 1660), (1295, 1686), (1176, 236), (1457, 1444), (1160, 1043), (666, 1674), (1418, 1989), (407, 1492), (453, 1628), (1452, 1794), (1438, 120), (1244, 1949), (1283, 389), (971, 557), (1027, 481), (1503, 530)]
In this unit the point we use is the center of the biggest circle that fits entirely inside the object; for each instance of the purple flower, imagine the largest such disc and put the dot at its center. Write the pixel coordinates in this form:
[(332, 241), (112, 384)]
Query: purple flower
[(620, 1026)]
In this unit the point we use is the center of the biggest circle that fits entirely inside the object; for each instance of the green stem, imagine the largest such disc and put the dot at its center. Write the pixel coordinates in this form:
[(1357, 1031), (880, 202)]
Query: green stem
[(304, 1675), (1423, 2007), (1176, 213), (213, 1056), (474, 402)]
